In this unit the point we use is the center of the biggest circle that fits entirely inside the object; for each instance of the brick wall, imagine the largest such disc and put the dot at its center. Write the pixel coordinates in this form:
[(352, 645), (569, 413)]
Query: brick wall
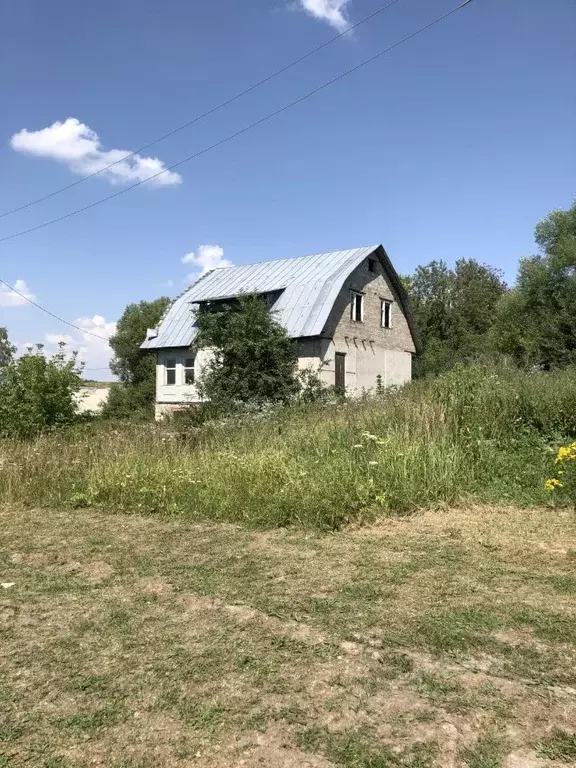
[(371, 351)]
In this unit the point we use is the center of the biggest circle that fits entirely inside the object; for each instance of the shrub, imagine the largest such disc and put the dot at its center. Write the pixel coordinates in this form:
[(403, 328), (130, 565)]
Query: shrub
[(254, 359), (37, 392)]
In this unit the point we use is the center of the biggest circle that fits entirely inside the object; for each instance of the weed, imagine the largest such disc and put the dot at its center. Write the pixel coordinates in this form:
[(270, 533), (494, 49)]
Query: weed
[(473, 434), (560, 745), (486, 753)]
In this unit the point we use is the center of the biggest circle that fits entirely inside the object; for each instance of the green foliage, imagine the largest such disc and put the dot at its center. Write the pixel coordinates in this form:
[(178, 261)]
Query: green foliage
[(37, 393), (7, 350), (536, 323), (254, 360), (486, 753), (453, 311), (564, 482), (135, 368), (475, 434)]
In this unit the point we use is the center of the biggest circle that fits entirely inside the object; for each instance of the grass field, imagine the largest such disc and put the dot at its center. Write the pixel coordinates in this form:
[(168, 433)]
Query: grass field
[(444, 639), (476, 435)]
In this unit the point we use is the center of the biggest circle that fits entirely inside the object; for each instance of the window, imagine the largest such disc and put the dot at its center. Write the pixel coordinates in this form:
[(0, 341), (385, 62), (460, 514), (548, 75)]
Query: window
[(386, 314), (340, 372), (371, 265), (356, 307), (170, 365), (188, 370)]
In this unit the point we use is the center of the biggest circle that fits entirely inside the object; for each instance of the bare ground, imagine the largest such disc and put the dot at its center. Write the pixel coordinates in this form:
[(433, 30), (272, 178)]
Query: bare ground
[(445, 639)]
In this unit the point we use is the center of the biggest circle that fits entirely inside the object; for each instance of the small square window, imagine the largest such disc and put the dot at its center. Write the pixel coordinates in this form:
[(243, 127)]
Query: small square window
[(170, 366), (356, 307), (386, 314), (188, 370), (371, 265)]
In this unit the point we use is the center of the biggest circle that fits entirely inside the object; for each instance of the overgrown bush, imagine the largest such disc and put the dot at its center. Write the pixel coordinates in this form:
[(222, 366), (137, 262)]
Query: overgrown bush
[(38, 393), (254, 360)]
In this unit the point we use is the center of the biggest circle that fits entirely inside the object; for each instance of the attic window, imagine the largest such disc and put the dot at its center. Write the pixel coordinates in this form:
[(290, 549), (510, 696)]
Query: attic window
[(371, 265), (356, 307), (386, 313)]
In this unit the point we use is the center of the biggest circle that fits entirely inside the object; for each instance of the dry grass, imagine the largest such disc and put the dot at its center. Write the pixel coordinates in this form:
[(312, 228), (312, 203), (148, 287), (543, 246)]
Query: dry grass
[(476, 435), (447, 639)]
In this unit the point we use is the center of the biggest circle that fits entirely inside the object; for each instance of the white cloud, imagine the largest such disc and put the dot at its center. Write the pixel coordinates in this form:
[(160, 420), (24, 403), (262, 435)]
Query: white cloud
[(94, 352), (8, 298), (332, 11), (78, 146), (208, 257)]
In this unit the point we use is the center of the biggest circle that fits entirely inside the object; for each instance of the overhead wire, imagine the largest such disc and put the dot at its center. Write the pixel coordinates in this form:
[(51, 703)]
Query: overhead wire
[(206, 114), (240, 131), (48, 312), (207, 149)]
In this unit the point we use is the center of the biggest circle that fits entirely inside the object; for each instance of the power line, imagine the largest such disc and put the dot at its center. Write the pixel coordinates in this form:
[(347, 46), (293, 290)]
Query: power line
[(240, 131), (209, 112), (213, 146), (48, 312)]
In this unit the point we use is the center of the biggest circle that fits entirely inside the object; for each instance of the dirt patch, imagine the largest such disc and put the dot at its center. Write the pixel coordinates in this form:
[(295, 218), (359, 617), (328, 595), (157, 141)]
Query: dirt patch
[(152, 586), (95, 571), (525, 758)]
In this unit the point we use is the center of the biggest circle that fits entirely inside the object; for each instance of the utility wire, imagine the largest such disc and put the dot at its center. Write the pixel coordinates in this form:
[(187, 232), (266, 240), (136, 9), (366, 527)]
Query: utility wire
[(211, 111), (213, 146), (47, 311), (240, 131)]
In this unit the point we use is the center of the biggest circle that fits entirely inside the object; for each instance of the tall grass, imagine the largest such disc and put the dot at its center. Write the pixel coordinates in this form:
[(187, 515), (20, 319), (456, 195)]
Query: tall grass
[(476, 434)]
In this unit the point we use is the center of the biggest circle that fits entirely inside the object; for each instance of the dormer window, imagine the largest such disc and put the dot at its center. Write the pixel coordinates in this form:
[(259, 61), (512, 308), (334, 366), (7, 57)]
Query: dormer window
[(356, 307)]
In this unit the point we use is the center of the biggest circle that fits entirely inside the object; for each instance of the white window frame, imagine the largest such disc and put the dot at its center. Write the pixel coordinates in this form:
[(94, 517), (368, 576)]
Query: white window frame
[(186, 368), (386, 303), (179, 369), (354, 295), (167, 368)]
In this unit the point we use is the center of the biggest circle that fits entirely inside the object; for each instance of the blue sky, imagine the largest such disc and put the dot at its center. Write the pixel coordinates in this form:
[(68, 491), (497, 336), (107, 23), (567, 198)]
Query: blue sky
[(454, 145)]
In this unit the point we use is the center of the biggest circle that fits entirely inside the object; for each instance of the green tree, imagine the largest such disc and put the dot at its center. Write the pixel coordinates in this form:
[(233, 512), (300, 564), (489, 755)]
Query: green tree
[(7, 350), (135, 368), (454, 310), (536, 323), (38, 392), (254, 360)]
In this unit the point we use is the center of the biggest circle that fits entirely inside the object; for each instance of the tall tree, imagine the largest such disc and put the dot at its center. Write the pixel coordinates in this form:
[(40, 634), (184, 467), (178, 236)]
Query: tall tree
[(536, 324), (135, 369), (254, 360), (454, 309)]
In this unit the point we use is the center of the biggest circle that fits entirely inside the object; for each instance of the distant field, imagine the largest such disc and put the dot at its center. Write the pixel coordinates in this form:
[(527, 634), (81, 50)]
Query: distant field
[(445, 639)]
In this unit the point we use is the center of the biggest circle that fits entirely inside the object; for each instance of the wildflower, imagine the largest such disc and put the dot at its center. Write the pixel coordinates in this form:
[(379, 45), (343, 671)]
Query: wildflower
[(566, 453), (552, 484)]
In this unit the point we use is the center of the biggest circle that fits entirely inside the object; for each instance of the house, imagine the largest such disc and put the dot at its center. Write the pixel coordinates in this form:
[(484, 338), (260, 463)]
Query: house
[(347, 310)]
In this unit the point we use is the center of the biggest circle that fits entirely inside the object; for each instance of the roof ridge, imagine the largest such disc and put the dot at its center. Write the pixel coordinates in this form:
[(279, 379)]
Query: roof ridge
[(289, 258)]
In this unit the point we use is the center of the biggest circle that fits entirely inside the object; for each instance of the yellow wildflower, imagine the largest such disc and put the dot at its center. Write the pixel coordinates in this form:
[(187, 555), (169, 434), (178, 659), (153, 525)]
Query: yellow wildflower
[(552, 484), (566, 453)]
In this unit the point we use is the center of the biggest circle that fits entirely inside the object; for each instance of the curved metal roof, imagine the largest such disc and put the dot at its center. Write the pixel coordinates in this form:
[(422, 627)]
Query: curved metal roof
[(309, 286)]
